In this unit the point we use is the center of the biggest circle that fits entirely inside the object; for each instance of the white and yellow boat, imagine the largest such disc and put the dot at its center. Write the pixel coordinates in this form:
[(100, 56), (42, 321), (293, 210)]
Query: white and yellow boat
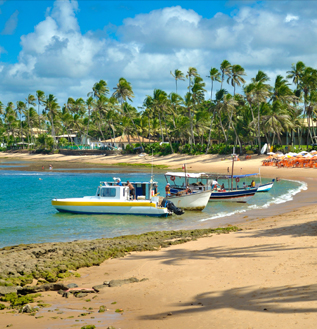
[(113, 199)]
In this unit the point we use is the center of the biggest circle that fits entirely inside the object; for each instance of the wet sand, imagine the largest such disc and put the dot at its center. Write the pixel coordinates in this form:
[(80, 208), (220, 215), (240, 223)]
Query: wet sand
[(261, 277)]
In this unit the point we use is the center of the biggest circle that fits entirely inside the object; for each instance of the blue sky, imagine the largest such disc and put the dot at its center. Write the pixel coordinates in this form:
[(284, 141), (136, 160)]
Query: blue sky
[(63, 47)]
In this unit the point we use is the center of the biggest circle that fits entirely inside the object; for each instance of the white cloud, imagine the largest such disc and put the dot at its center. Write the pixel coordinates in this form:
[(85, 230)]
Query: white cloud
[(11, 24), (290, 18), (57, 58)]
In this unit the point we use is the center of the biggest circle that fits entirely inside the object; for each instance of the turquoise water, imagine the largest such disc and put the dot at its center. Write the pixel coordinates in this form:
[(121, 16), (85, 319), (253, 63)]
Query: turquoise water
[(27, 216)]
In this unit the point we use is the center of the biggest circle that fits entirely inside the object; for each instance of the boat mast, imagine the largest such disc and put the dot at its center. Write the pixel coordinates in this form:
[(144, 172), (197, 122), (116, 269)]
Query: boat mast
[(233, 155), (151, 178)]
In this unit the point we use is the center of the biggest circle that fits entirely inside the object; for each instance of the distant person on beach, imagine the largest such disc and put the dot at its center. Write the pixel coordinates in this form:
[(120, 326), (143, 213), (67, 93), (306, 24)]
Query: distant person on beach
[(119, 182), (42, 167), (51, 167), (132, 189), (168, 189)]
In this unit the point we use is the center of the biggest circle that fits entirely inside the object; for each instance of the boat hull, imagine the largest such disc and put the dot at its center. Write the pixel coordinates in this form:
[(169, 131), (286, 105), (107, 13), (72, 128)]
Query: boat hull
[(133, 207), (193, 201), (265, 187), (233, 196)]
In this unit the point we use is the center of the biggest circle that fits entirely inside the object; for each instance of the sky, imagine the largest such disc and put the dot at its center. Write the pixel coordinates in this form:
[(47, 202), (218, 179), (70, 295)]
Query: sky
[(63, 47)]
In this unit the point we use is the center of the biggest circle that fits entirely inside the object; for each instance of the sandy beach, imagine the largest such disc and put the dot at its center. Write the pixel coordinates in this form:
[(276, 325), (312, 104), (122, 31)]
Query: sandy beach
[(262, 276)]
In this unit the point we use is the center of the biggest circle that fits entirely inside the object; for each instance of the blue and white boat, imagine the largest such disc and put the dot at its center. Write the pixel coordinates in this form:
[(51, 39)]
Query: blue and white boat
[(266, 187)]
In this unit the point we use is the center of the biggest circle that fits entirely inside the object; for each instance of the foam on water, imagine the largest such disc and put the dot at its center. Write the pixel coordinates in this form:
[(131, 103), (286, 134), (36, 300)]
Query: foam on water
[(288, 196)]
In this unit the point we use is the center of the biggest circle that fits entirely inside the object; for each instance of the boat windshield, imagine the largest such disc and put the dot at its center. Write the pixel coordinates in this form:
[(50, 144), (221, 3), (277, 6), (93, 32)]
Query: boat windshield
[(108, 192)]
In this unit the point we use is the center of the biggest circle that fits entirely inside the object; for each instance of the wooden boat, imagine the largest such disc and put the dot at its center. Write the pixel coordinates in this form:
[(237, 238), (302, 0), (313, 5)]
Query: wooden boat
[(196, 200), (198, 197), (113, 199)]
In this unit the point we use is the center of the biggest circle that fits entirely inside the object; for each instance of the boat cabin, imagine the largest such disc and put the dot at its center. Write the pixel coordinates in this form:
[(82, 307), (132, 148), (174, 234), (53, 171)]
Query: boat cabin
[(143, 190)]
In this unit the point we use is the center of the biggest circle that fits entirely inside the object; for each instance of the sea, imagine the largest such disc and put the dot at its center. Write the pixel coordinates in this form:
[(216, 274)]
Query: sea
[(27, 216)]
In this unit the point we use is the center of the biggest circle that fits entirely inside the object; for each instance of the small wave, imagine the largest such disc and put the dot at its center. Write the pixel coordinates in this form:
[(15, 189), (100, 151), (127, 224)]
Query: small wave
[(285, 197), (275, 200), (224, 214)]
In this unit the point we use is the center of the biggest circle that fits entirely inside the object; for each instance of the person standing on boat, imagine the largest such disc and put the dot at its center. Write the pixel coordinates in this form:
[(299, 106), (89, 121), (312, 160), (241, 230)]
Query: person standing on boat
[(168, 189), (214, 184), (253, 183), (132, 189), (119, 182), (155, 190)]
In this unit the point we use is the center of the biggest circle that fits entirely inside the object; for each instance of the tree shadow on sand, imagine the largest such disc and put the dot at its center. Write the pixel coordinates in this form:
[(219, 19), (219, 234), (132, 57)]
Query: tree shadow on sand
[(283, 299), (176, 256), (296, 230)]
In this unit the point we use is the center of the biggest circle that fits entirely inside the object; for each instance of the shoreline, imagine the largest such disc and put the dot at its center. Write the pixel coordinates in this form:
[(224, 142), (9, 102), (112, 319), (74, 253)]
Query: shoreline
[(64, 163)]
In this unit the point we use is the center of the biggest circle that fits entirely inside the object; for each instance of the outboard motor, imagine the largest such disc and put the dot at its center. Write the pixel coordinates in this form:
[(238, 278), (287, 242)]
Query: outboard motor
[(171, 207)]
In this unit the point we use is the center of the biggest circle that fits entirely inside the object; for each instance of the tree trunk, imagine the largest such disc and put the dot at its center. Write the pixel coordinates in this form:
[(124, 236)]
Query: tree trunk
[(259, 131), (162, 136), (167, 134), (223, 130), (209, 137), (191, 128), (88, 126)]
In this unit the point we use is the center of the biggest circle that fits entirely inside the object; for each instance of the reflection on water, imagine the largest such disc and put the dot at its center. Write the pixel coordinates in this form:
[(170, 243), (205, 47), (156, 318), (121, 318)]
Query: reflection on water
[(28, 217)]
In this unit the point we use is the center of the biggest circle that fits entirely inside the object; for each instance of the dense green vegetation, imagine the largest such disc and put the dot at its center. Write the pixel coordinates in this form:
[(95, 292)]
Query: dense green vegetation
[(257, 112)]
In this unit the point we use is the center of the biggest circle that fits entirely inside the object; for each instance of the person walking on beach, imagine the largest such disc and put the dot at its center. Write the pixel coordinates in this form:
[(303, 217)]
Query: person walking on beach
[(42, 167), (51, 167), (168, 189), (132, 189)]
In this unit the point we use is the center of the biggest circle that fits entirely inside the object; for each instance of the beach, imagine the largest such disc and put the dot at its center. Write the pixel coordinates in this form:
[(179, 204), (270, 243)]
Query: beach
[(262, 276)]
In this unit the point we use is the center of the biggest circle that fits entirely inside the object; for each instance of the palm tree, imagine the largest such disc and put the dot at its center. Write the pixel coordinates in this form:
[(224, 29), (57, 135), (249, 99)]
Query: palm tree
[(175, 102), (30, 100), (89, 104), (122, 93), (296, 73), (236, 77), (177, 75), (40, 95), (214, 75), (277, 120), (225, 68), (192, 72), (19, 109), (257, 93), (198, 93), (307, 83), (98, 89), (51, 108), (1, 108), (10, 116)]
